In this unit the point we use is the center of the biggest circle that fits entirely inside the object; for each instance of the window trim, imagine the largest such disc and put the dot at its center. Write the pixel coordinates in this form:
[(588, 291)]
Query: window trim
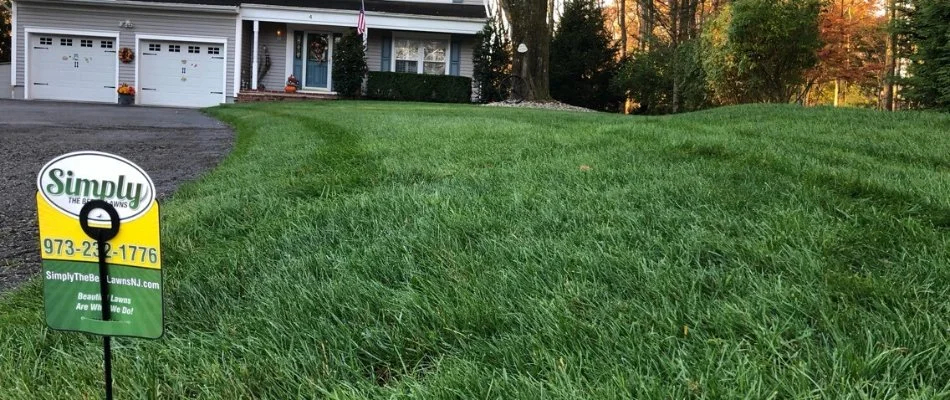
[(420, 68)]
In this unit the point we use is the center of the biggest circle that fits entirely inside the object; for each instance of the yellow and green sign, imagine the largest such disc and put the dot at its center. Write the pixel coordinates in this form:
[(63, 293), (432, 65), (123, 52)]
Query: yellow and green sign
[(71, 256)]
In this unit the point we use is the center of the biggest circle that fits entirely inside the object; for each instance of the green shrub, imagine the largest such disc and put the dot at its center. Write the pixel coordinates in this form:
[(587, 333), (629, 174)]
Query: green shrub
[(349, 65), (759, 50), (491, 59), (419, 87), (664, 79)]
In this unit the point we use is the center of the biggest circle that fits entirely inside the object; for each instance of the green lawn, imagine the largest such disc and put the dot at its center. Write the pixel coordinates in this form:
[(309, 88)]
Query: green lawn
[(364, 249)]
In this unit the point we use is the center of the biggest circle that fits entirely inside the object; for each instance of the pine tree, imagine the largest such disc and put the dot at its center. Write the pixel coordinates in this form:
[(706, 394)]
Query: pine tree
[(928, 85), (583, 58), (492, 61)]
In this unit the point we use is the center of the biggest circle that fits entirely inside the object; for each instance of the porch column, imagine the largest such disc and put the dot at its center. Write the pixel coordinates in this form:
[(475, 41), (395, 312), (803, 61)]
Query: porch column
[(257, 27)]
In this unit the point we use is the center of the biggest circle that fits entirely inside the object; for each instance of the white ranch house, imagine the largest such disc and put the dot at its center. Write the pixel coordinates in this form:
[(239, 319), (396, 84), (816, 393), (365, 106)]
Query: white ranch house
[(197, 53)]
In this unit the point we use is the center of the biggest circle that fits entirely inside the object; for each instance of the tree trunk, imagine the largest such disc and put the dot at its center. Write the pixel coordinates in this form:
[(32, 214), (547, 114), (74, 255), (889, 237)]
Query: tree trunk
[(836, 93), (647, 22), (890, 61), (528, 21), (622, 14)]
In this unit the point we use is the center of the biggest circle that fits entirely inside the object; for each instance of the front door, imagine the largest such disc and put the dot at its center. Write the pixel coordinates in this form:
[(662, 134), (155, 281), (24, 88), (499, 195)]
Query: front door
[(317, 72)]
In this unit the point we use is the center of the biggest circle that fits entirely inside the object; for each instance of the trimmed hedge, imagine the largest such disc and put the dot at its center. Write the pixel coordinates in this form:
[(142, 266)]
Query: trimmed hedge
[(419, 87)]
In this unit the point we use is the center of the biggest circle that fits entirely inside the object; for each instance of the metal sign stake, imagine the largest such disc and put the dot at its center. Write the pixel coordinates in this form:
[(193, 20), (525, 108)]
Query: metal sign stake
[(102, 236)]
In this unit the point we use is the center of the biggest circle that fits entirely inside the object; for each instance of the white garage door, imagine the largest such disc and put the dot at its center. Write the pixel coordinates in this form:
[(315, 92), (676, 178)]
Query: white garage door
[(80, 68), (185, 74)]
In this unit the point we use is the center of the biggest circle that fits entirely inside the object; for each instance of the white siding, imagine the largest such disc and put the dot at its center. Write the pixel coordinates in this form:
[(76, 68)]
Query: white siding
[(374, 49), (465, 57), (147, 22), (277, 47)]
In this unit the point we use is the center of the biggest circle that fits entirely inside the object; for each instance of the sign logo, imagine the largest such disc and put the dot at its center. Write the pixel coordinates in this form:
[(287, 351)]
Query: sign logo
[(72, 180)]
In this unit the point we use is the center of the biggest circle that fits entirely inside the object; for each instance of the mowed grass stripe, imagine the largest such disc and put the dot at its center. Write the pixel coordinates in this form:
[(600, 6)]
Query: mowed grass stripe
[(368, 249)]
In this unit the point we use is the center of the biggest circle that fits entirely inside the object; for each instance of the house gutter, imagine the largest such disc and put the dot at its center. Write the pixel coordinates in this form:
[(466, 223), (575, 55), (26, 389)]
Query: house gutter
[(143, 5), (355, 12)]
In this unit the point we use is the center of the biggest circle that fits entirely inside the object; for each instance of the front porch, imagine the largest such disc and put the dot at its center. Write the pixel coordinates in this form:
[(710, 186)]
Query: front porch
[(276, 43)]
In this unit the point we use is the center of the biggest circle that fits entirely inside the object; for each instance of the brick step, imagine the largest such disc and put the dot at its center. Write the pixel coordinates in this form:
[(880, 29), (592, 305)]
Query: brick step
[(251, 96)]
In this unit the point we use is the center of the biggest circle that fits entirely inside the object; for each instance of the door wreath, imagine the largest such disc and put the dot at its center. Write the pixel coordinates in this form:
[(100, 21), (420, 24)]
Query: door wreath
[(126, 55), (318, 49)]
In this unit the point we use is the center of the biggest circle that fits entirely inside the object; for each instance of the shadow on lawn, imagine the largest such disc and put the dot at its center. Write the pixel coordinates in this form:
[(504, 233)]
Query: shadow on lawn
[(337, 166)]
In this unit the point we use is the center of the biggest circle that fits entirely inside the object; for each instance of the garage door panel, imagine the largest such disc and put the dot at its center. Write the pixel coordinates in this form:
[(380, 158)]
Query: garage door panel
[(66, 67), (179, 73)]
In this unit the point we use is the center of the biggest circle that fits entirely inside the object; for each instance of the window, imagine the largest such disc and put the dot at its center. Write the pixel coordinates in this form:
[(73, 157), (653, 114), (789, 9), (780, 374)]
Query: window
[(105, 44), (194, 49), (85, 43), (46, 40), (174, 48), (65, 42), (154, 47), (214, 50), (426, 56)]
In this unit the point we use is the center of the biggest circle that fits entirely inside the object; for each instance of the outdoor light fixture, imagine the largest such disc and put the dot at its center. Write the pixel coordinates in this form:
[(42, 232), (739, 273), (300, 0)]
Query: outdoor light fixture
[(279, 33), (126, 24)]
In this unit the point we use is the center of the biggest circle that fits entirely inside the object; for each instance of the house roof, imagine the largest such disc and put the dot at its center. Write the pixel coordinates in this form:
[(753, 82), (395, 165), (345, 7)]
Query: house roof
[(399, 7)]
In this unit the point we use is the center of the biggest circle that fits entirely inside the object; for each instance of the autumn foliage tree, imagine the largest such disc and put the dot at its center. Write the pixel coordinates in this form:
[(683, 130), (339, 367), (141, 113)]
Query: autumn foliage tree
[(852, 56)]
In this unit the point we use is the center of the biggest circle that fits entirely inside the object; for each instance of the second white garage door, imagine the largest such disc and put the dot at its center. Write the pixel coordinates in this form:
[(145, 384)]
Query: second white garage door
[(184, 74)]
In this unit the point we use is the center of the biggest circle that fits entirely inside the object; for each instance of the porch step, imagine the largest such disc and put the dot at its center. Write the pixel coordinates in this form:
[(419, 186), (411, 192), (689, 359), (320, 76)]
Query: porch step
[(251, 96)]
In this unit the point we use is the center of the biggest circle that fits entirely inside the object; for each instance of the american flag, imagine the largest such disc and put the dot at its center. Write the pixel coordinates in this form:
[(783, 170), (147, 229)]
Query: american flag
[(361, 20)]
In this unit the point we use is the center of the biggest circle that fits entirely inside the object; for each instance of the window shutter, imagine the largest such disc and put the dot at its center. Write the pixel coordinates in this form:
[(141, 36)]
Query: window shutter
[(455, 56), (387, 53)]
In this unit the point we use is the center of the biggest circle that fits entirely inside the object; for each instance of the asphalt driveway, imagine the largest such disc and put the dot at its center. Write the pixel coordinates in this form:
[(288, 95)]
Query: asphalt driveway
[(172, 145)]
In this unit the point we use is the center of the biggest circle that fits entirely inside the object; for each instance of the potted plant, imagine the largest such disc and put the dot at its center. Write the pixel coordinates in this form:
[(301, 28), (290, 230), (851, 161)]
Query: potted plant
[(126, 94), (292, 84)]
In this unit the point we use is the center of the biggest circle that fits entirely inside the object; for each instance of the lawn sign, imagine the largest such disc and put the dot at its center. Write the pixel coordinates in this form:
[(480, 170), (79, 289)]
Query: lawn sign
[(101, 250)]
